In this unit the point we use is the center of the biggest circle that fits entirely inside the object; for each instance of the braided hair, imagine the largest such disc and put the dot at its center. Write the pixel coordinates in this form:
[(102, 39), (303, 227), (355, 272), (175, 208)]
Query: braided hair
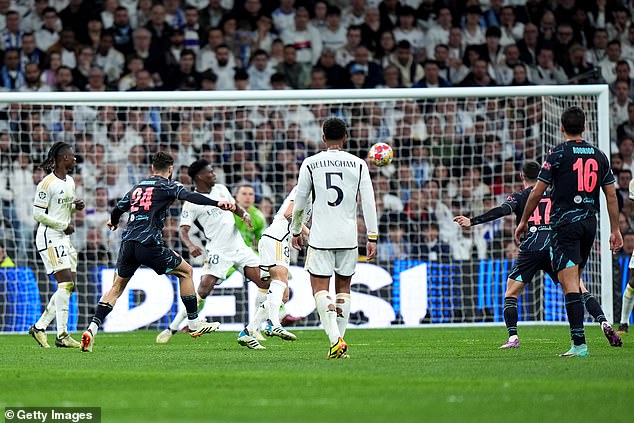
[(49, 163)]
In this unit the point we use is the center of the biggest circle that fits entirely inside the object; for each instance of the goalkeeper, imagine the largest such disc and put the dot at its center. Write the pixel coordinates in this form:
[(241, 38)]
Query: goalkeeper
[(534, 254)]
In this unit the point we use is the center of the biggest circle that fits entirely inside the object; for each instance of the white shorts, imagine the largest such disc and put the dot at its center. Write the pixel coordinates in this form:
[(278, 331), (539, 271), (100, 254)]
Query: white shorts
[(218, 263), (273, 253), (57, 253), (324, 262)]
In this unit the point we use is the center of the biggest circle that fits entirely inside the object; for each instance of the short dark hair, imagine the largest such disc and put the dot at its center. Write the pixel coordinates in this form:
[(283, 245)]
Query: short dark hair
[(161, 161), (196, 167), (573, 120), (530, 170), (334, 129)]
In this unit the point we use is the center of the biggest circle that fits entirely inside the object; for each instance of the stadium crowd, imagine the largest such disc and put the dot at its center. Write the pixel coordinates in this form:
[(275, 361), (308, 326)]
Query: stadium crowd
[(454, 157)]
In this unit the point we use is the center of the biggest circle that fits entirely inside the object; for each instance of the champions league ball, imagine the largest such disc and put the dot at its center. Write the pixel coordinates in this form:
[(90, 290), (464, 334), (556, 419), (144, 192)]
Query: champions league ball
[(381, 154)]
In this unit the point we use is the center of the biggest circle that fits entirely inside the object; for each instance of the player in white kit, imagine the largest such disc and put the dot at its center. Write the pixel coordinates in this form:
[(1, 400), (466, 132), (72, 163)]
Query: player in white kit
[(224, 247), (275, 258), (335, 179), (53, 207)]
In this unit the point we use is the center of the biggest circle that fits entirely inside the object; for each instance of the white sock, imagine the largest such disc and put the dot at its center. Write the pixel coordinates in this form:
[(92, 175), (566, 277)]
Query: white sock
[(260, 317), (343, 311), (48, 315), (260, 297), (282, 312), (276, 293), (513, 338), (180, 318), (628, 303), (327, 315), (182, 315), (64, 291), (93, 328)]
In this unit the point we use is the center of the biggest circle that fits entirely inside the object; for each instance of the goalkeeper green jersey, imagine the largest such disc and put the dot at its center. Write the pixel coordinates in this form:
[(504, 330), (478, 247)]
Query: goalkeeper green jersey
[(252, 236)]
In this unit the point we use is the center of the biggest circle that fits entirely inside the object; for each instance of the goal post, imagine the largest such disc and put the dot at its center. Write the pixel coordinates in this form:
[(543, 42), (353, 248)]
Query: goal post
[(450, 143)]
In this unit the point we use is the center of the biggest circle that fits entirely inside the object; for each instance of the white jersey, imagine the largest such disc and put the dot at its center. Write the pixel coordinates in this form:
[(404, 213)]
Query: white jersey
[(218, 225), (335, 178), (54, 198), (280, 227)]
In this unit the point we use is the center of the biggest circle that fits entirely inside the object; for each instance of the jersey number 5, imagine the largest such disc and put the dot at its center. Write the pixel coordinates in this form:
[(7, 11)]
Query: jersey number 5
[(586, 174), (141, 198), (338, 190)]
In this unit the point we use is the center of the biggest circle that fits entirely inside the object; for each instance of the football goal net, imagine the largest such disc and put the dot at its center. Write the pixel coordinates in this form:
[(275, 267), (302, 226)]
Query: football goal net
[(458, 151)]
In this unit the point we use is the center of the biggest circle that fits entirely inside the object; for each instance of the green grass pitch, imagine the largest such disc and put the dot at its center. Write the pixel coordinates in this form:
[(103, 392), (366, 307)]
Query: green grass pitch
[(397, 375)]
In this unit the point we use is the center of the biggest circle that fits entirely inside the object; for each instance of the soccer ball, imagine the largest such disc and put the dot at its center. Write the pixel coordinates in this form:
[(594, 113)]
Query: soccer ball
[(381, 154)]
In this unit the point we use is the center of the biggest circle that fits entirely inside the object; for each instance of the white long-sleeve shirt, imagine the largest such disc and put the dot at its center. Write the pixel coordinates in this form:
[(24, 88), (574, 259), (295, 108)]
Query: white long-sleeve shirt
[(335, 178)]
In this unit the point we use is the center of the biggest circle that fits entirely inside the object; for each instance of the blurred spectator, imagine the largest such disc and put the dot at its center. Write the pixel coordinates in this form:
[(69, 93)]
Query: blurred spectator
[(433, 249), (403, 59), (626, 129), (12, 74), (598, 51), (336, 75), (479, 76), (333, 35), (371, 29), (546, 71), (295, 74), (619, 106), (394, 246), (109, 59), (260, 71), (33, 81), (407, 30), (472, 31), (361, 62), (432, 78), (438, 33), (11, 36), (47, 35), (345, 54), (284, 16), (122, 31), (223, 68)]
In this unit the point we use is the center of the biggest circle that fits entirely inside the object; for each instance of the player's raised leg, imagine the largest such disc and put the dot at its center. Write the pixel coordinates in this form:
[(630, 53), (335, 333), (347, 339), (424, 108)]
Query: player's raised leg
[(104, 307), (205, 288), (594, 308), (628, 303), (513, 290)]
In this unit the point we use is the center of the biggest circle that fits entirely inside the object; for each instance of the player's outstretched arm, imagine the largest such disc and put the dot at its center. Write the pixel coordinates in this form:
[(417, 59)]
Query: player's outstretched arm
[(616, 239), (196, 198), (244, 215), (533, 199), (489, 216)]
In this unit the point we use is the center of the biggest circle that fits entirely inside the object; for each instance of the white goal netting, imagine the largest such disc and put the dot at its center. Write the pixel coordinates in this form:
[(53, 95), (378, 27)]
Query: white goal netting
[(453, 156)]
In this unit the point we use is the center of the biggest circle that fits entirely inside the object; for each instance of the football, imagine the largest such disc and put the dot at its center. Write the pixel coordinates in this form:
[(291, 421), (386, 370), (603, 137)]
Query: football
[(381, 154)]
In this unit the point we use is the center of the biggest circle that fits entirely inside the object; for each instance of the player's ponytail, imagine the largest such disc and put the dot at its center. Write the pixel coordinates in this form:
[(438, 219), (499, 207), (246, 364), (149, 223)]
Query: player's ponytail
[(49, 163)]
